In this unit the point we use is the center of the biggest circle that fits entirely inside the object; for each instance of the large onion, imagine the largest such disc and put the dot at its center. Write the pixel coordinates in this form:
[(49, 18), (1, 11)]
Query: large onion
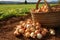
[(39, 36), (33, 35)]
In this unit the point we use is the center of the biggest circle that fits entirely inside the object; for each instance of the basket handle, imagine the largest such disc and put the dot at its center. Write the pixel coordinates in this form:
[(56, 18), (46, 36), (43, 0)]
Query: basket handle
[(49, 8), (37, 4)]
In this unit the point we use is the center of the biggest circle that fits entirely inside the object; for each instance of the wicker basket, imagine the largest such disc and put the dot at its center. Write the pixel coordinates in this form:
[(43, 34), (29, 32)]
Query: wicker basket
[(50, 19)]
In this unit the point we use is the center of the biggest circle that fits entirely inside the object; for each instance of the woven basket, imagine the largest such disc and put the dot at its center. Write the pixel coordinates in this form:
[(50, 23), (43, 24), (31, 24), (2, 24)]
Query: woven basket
[(49, 19)]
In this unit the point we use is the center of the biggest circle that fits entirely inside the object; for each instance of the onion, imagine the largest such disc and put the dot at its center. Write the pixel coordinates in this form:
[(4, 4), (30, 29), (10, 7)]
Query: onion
[(29, 21), (21, 22), (19, 26), (43, 33), (43, 10), (45, 6), (32, 29), (33, 24), (37, 24), (28, 25), (46, 10), (27, 34), (38, 10), (37, 31), (32, 34), (37, 27), (27, 30), (16, 33), (39, 36), (44, 29), (21, 30), (52, 32)]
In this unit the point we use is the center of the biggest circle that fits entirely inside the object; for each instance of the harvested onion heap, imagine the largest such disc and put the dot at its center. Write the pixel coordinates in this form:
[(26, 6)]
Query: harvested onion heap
[(30, 29)]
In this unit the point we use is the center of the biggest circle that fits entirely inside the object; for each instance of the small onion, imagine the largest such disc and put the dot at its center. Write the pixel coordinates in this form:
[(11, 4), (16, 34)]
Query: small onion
[(45, 6), (29, 21), (52, 32), (32, 29), (37, 24), (21, 22), (27, 34), (28, 25), (37, 10), (44, 29), (17, 29), (43, 10), (32, 34), (46, 10), (37, 31), (37, 27), (33, 24), (21, 30), (19, 26), (42, 7), (16, 33), (43, 33), (27, 30), (39, 36)]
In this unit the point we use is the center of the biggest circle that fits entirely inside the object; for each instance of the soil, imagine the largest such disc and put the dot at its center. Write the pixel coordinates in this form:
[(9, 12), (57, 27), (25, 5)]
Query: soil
[(7, 28)]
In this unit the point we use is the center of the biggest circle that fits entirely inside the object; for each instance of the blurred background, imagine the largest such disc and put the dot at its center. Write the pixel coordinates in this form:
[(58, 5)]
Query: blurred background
[(23, 1)]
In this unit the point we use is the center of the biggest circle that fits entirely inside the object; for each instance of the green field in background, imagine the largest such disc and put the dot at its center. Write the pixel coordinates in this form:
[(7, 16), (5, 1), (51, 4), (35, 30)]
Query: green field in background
[(9, 10)]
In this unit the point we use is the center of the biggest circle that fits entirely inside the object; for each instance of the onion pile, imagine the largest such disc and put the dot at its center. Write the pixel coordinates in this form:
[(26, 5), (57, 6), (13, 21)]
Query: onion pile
[(44, 8), (29, 29)]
